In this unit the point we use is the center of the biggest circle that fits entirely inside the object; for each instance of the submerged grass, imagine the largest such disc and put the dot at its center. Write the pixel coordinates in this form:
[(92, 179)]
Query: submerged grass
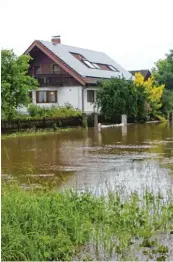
[(45, 226), (39, 132)]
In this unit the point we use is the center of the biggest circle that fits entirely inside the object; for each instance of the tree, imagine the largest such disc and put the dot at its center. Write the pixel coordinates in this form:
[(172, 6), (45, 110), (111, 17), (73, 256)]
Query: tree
[(15, 82), (163, 72), (119, 96), (167, 102), (152, 90)]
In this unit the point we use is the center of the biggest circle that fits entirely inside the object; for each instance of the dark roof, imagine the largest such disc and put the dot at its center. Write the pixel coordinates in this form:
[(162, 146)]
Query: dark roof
[(145, 72)]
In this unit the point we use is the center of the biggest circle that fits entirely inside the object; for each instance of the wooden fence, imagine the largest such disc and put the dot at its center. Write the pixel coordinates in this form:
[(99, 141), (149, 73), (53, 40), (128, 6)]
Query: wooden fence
[(20, 125)]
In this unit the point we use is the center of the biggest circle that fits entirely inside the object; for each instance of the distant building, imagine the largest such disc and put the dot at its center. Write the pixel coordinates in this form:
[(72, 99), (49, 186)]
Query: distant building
[(69, 74), (146, 73)]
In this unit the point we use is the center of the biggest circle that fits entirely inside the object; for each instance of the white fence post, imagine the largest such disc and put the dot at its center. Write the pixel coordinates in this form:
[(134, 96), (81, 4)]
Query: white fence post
[(124, 119)]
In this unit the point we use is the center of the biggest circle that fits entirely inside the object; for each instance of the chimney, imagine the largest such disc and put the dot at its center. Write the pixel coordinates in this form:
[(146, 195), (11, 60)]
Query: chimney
[(56, 39)]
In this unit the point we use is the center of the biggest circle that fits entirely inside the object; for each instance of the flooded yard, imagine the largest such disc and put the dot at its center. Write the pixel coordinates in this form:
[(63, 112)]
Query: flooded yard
[(128, 158), (89, 227)]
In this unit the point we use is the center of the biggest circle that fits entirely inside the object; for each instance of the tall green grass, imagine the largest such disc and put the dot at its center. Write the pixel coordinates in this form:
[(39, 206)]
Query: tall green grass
[(35, 132), (45, 226)]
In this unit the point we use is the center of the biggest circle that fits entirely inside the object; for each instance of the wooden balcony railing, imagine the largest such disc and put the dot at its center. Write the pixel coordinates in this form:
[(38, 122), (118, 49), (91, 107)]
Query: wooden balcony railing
[(46, 80)]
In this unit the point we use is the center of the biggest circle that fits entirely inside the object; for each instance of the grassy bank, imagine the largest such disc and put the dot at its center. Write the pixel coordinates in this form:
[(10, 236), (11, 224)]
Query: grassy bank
[(47, 226), (35, 133)]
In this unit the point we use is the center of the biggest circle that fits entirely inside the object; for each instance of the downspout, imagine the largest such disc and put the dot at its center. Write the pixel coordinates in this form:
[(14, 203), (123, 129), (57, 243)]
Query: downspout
[(83, 100), (84, 119)]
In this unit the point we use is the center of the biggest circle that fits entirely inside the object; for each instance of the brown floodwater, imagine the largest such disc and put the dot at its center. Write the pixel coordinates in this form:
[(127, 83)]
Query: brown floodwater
[(128, 158)]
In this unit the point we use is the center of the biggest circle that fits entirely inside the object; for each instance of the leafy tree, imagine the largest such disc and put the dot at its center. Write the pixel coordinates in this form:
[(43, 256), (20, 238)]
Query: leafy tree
[(167, 102), (119, 96), (163, 72), (152, 90), (15, 82)]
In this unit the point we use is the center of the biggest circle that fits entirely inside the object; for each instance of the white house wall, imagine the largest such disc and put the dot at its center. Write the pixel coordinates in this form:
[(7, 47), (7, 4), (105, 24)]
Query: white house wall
[(71, 95)]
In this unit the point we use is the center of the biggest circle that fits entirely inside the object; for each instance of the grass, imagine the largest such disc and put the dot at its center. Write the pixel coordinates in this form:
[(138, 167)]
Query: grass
[(46, 226), (33, 132)]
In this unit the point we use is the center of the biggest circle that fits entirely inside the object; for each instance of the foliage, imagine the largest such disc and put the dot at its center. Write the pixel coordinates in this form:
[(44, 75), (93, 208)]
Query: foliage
[(163, 72), (153, 91), (51, 226), (54, 111), (119, 96), (167, 102), (161, 118), (15, 83)]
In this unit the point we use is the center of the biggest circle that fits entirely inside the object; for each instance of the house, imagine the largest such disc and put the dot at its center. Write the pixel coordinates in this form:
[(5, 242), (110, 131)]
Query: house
[(145, 73), (69, 74)]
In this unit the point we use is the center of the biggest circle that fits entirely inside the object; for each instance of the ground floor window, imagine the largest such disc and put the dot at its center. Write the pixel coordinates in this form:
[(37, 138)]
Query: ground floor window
[(90, 96), (46, 96)]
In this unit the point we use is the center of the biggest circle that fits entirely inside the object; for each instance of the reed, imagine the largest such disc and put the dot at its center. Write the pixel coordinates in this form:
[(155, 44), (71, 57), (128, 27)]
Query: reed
[(49, 225)]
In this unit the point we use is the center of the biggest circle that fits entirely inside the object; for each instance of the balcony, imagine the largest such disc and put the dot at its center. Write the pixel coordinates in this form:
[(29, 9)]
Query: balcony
[(57, 80)]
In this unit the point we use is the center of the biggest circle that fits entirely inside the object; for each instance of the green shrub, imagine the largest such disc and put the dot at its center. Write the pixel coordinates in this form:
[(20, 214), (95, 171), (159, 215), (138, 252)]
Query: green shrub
[(54, 111)]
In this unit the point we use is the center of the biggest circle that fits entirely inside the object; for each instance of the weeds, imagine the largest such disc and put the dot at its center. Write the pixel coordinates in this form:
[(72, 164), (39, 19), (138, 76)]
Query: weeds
[(46, 226), (33, 132)]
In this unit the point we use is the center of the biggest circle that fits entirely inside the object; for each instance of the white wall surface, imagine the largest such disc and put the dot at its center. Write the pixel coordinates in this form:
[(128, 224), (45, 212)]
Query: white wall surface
[(71, 95)]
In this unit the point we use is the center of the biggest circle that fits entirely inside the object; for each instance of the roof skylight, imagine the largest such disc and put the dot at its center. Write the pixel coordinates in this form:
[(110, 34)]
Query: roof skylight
[(112, 68), (89, 64), (96, 65)]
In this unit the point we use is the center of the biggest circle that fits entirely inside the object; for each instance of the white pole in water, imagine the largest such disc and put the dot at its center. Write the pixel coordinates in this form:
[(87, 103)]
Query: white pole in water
[(124, 119)]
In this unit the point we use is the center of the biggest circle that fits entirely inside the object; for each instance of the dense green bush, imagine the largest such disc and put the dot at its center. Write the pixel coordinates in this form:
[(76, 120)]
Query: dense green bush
[(119, 96), (167, 102), (37, 112), (54, 111)]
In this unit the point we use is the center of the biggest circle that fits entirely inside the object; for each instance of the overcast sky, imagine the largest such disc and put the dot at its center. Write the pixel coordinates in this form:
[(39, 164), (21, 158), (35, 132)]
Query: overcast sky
[(135, 33)]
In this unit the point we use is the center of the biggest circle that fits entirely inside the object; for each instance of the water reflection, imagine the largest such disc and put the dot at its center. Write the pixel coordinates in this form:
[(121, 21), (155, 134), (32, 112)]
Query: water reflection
[(131, 157)]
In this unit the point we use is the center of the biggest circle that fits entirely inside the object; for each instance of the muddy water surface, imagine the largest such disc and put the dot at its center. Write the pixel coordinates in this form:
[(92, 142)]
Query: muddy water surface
[(129, 158)]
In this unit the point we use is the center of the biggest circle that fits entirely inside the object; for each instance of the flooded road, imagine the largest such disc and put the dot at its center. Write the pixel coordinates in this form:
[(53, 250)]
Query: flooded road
[(128, 158)]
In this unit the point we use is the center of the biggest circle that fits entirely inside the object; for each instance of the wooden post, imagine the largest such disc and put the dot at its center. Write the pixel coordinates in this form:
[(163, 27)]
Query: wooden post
[(18, 124), (95, 120)]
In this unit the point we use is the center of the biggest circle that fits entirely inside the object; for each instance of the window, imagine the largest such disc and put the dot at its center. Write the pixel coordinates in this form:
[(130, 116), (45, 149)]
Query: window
[(90, 96), (89, 64), (113, 68), (96, 66), (78, 56), (52, 97), (37, 70), (30, 97), (46, 96), (55, 69), (41, 97)]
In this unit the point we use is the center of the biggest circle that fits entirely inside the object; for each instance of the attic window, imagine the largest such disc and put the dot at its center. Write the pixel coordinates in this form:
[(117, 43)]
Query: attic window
[(55, 69), (78, 56), (89, 64), (96, 66), (112, 68)]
